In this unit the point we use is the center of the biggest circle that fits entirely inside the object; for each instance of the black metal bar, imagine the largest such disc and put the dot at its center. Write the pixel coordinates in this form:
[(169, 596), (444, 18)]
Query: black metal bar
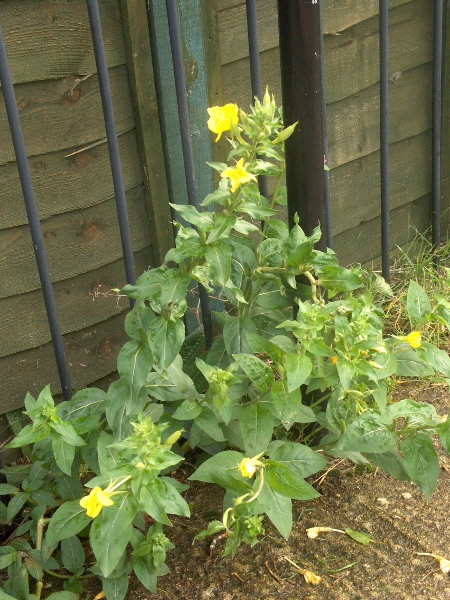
[(326, 172), (33, 219), (113, 143), (255, 71), (301, 83), (186, 142), (384, 137), (437, 122)]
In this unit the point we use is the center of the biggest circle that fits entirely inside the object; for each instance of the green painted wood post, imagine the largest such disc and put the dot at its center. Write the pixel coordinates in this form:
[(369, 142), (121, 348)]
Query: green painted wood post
[(199, 30), (139, 61), (202, 63)]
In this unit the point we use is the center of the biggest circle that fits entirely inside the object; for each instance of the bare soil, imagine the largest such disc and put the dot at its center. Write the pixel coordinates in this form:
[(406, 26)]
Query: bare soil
[(394, 513)]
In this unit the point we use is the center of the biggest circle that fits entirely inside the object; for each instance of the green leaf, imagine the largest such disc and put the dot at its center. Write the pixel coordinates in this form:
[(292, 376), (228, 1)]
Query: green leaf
[(299, 458), (261, 345), (30, 434), (256, 370), (391, 462), (72, 554), (67, 432), (367, 434), (256, 427), (174, 288), (145, 572), (288, 406), (174, 503), (222, 228), (417, 303), (207, 421), (222, 470), (5, 596), (152, 501), (64, 454), (165, 339), (218, 256), (187, 411), (298, 369), (287, 482), (15, 504), (111, 532), (360, 537), (421, 461), (68, 520), (147, 286), (444, 434), (340, 279), (421, 411), (439, 359), (138, 320), (18, 583), (69, 488), (134, 364), (410, 365), (192, 215), (346, 371), (63, 596), (278, 508), (115, 588), (235, 334), (5, 489)]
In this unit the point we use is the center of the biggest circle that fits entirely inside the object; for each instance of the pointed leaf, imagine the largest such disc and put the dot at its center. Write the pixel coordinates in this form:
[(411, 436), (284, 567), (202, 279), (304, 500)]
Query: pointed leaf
[(417, 303), (421, 462), (111, 532), (256, 427), (298, 369)]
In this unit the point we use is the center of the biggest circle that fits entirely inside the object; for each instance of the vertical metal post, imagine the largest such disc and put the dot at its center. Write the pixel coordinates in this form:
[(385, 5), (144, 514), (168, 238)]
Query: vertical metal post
[(437, 122), (255, 70), (113, 143), (301, 82), (326, 171), (186, 142), (33, 219), (384, 137)]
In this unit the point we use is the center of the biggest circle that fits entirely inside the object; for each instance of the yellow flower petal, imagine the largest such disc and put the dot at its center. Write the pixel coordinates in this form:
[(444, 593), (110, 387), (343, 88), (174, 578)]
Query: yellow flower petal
[(222, 118), (95, 501), (247, 467), (238, 175), (414, 339)]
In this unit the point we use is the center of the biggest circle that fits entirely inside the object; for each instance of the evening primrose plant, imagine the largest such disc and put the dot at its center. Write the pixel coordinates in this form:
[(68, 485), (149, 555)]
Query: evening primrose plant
[(298, 372)]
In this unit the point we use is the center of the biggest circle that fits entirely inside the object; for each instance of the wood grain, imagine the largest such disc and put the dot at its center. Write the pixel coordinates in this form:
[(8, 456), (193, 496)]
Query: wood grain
[(51, 39), (75, 242), (65, 113), (60, 182), (81, 301), (91, 353)]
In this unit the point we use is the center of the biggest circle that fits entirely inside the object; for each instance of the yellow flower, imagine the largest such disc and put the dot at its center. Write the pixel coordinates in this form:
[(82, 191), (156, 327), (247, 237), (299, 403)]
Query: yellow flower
[(247, 467), (238, 175), (334, 359), (95, 501), (98, 498), (414, 339), (221, 118)]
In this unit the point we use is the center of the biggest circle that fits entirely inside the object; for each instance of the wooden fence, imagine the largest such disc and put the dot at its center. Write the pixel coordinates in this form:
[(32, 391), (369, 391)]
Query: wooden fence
[(53, 68)]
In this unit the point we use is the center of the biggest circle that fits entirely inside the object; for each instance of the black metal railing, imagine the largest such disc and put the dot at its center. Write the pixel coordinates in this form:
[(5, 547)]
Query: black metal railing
[(301, 50)]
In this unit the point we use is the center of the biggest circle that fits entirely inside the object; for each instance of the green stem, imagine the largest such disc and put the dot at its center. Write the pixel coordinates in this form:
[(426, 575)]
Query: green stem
[(59, 576), (313, 286), (42, 522), (420, 428), (321, 399)]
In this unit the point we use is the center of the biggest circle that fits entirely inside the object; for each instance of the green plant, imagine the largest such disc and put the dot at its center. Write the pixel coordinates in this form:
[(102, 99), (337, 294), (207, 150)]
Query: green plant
[(291, 361), (430, 268)]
